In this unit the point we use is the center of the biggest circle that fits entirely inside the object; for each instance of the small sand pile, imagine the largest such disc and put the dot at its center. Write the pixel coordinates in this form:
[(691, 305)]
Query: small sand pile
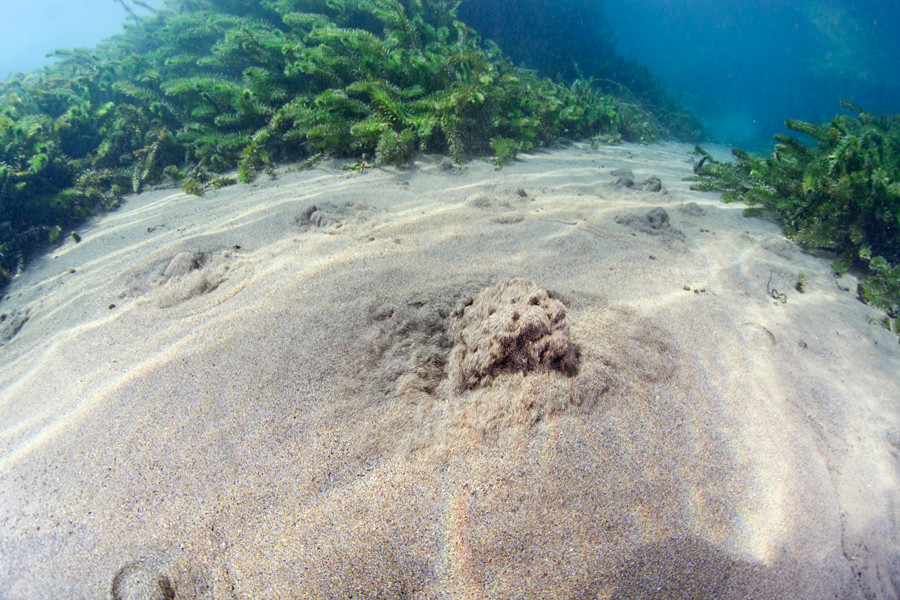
[(141, 581), (655, 222), (512, 327), (191, 274)]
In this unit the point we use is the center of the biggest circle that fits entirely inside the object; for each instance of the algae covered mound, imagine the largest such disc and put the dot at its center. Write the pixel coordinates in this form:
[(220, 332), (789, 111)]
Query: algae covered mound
[(511, 327)]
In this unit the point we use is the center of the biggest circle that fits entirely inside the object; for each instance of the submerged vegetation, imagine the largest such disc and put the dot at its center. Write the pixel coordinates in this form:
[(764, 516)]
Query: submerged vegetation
[(201, 87), (841, 195), (573, 39)]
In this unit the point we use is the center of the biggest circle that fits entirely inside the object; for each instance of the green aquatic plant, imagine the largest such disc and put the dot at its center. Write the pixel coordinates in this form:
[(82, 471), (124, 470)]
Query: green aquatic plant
[(198, 88), (841, 193), (193, 186), (882, 289), (505, 150)]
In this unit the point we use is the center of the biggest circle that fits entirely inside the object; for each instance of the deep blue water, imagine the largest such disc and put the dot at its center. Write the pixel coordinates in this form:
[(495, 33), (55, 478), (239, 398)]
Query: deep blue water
[(745, 66)]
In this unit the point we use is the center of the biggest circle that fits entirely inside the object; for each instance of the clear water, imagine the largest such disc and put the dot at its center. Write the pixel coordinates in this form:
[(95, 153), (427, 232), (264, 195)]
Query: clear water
[(742, 66), (745, 66), (31, 29)]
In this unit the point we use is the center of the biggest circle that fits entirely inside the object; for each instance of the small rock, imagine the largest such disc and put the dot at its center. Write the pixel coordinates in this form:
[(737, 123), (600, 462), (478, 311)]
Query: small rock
[(658, 218), (623, 177), (693, 209), (652, 184)]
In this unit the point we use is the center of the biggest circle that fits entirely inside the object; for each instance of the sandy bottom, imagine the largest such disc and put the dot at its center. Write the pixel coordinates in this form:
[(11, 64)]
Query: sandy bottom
[(325, 385)]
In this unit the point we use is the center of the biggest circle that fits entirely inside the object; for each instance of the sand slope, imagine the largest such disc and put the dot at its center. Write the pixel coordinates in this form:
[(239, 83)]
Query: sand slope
[(248, 395)]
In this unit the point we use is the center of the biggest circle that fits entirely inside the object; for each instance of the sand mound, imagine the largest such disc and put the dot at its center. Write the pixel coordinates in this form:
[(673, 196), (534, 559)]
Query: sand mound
[(623, 178), (11, 323), (141, 581), (316, 218), (173, 280), (655, 222), (447, 367), (781, 247), (692, 209), (652, 184), (481, 200), (511, 327), (407, 342), (182, 264), (191, 274), (334, 217)]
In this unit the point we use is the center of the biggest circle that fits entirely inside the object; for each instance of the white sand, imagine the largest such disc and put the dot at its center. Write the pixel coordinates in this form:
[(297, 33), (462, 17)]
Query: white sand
[(278, 423)]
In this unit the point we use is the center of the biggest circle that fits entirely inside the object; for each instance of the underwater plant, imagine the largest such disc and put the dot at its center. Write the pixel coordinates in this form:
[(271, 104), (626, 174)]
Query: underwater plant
[(574, 40), (841, 194), (197, 88)]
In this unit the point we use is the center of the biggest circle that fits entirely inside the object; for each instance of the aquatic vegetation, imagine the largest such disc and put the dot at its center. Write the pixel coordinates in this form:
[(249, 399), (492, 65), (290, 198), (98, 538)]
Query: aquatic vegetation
[(882, 288), (201, 87), (505, 150), (841, 195), (193, 185), (574, 40)]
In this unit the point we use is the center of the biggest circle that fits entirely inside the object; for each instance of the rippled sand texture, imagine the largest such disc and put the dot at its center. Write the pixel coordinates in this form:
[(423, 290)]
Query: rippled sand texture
[(322, 386)]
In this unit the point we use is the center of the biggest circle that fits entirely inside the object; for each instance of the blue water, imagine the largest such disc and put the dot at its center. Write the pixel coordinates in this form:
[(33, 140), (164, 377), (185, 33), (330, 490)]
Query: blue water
[(743, 66), (30, 29)]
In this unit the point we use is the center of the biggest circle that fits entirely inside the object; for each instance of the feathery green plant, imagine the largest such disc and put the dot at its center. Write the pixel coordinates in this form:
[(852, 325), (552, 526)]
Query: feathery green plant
[(200, 87), (842, 195)]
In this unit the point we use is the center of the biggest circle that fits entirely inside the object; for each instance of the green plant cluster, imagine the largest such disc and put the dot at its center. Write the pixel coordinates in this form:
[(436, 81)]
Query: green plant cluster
[(574, 40), (206, 86), (841, 195)]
